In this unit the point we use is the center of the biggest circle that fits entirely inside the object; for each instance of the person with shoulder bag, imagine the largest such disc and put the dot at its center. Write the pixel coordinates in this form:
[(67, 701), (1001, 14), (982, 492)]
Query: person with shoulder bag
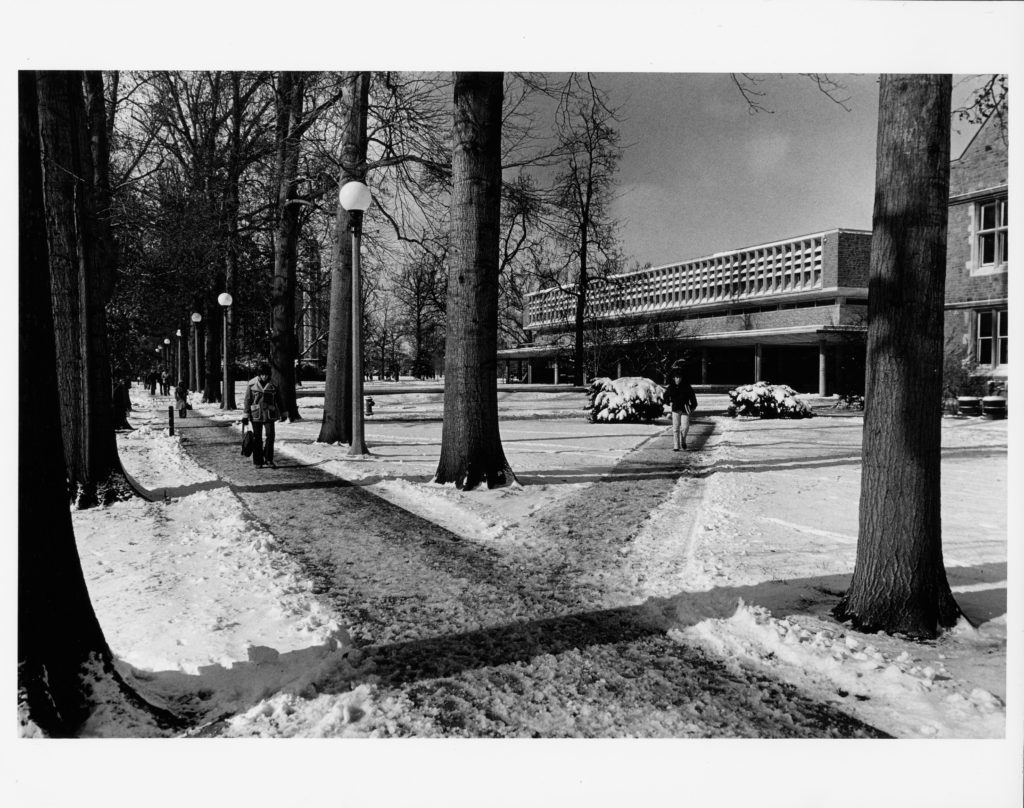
[(263, 407), (680, 396)]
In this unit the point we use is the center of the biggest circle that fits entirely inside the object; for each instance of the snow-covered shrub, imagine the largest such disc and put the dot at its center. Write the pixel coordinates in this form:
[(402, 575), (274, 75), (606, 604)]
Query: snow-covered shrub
[(763, 400), (631, 398)]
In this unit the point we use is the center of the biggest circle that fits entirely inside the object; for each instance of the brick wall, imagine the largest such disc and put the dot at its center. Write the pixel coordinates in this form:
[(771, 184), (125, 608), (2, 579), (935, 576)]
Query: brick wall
[(854, 259), (982, 165)]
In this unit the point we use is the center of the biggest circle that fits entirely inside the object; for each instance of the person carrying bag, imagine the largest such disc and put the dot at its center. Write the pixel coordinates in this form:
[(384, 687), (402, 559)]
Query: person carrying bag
[(263, 408)]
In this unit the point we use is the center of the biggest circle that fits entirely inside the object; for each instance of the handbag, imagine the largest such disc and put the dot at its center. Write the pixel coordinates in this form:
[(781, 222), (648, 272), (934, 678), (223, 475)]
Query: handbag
[(248, 442)]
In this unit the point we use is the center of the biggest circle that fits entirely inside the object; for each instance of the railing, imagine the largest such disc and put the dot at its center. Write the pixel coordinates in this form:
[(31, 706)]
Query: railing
[(752, 273)]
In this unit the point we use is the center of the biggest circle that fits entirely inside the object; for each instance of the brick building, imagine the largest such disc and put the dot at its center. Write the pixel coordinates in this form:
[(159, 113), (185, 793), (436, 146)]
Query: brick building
[(977, 321)]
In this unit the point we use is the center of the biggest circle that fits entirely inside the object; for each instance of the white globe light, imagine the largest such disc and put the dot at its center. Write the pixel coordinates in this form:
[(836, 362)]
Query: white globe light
[(196, 317), (224, 299), (167, 340), (177, 333), (354, 196)]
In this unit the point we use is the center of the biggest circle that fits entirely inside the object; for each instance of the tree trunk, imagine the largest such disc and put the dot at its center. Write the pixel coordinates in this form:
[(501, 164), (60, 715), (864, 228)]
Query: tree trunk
[(282, 336), (336, 426), (78, 291), (213, 326), (579, 352), (234, 170), (57, 679), (471, 450), (899, 581)]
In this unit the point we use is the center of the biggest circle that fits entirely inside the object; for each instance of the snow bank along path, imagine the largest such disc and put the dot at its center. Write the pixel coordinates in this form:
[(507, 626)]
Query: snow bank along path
[(457, 638)]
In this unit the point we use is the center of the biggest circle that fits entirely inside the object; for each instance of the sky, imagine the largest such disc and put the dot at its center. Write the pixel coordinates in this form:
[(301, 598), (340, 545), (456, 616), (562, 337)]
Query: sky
[(702, 174)]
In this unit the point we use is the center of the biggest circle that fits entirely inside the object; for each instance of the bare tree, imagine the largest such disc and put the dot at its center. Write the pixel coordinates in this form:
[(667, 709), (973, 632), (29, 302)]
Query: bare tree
[(336, 426), (899, 582), (60, 684), (471, 450), (583, 192)]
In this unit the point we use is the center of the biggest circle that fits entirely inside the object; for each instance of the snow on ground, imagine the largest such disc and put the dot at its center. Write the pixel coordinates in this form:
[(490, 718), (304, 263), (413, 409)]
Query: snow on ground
[(765, 531), (192, 594)]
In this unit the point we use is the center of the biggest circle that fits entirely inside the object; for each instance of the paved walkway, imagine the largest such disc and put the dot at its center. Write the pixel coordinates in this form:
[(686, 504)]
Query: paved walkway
[(469, 642)]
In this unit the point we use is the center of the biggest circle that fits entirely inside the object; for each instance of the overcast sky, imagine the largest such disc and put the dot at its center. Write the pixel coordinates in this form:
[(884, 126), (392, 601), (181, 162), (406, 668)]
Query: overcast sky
[(703, 175)]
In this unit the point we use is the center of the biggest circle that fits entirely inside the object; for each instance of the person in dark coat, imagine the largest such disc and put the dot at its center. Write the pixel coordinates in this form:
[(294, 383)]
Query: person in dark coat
[(680, 396), (151, 382), (181, 398), (263, 407), (121, 402)]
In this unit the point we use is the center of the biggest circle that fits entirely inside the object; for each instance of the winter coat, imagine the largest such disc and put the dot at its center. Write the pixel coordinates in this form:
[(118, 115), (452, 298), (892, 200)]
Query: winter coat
[(680, 397), (262, 402), (181, 395)]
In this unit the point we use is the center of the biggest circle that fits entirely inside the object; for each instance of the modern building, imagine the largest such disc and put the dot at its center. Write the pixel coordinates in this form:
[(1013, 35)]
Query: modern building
[(790, 311), (977, 323)]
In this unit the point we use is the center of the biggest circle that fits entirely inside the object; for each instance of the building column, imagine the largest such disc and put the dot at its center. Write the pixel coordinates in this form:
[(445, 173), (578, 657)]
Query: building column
[(822, 367), (529, 371), (757, 362), (556, 370), (703, 365)]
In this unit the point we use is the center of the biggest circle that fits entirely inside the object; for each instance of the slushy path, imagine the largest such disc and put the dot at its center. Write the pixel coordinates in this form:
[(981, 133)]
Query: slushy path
[(466, 642)]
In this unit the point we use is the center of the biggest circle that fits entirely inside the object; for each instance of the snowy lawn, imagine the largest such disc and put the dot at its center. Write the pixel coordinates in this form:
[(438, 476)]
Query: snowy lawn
[(744, 556)]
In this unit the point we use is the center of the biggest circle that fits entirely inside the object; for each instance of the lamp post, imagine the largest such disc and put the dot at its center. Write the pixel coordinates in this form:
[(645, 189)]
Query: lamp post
[(167, 353), (180, 369), (197, 318), (225, 301), (355, 197)]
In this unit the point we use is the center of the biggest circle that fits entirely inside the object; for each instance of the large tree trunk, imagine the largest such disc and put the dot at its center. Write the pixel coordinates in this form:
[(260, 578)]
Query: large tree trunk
[(78, 290), (899, 582), (282, 337), (471, 450), (59, 680), (234, 170), (336, 426)]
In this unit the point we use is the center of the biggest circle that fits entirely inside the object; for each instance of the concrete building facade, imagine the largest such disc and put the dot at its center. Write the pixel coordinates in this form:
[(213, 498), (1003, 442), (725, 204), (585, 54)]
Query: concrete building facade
[(790, 311)]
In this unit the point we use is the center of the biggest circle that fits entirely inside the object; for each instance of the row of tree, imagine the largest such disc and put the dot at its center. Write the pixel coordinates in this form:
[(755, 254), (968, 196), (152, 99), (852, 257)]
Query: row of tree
[(73, 239)]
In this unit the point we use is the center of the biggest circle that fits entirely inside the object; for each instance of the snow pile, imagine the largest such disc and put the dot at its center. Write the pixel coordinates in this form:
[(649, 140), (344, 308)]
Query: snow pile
[(631, 398), (845, 668), (764, 400)]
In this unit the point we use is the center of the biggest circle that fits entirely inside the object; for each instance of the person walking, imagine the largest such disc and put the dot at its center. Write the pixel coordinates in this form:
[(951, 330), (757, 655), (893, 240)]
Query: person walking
[(165, 383), (181, 398), (680, 396), (262, 406)]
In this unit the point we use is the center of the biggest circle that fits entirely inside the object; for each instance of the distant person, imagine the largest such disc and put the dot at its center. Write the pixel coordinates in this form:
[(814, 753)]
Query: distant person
[(151, 382), (181, 398), (263, 406), (165, 383), (680, 396)]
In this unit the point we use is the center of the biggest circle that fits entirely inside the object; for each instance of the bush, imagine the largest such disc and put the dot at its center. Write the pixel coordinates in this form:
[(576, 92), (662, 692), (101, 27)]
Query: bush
[(629, 399), (763, 400)]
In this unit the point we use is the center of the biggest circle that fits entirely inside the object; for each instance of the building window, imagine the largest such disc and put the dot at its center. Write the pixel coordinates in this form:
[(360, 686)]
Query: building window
[(993, 343), (991, 235)]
